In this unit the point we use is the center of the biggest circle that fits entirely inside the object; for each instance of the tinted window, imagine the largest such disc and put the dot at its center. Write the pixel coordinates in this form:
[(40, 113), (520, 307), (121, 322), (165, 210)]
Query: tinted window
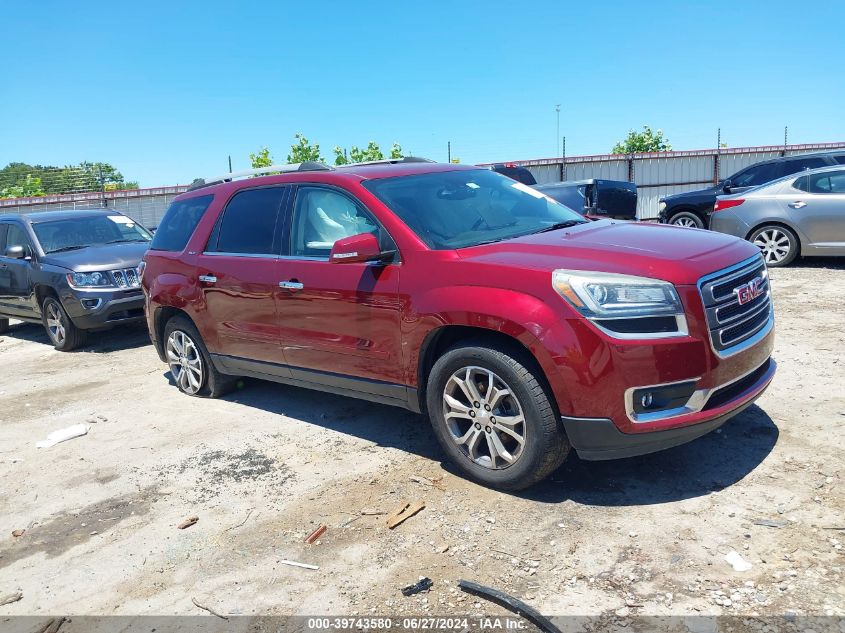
[(827, 182), (454, 209), (802, 183), (3, 229), (17, 236), (248, 225), (179, 222), (321, 217), (800, 164), (520, 174), (756, 175), (840, 159)]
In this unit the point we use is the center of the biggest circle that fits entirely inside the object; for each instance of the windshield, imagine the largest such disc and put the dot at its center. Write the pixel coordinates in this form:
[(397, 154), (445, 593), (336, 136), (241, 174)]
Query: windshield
[(95, 230), (455, 209)]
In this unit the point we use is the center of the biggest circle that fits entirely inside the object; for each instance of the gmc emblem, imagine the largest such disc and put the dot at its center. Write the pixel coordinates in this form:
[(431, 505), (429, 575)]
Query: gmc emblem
[(750, 291)]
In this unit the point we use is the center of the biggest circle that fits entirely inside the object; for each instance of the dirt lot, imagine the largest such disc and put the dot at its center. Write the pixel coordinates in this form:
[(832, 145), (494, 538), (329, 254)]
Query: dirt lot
[(263, 467)]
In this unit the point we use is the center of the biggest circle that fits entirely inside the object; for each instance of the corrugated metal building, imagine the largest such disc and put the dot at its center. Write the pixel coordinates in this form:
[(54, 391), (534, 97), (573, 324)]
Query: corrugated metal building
[(663, 173), (147, 206)]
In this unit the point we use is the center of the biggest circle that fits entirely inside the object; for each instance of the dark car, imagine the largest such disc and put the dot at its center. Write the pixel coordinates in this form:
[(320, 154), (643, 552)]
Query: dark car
[(519, 328), (596, 198), (520, 174), (693, 208), (72, 271)]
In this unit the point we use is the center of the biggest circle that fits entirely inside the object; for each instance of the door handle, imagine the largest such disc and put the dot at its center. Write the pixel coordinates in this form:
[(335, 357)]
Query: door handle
[(291, 285), (797, 204), (208, 279)]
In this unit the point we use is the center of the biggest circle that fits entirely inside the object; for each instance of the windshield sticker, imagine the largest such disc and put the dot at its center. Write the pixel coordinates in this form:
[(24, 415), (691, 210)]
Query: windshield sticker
[(122, 219), (472, 185)]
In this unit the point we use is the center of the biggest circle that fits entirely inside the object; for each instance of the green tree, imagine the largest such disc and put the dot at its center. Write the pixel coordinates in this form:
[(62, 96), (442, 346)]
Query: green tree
[(302, 150), (85, 176), (29, 187), (261, 158), (369, 153), (645, 141)]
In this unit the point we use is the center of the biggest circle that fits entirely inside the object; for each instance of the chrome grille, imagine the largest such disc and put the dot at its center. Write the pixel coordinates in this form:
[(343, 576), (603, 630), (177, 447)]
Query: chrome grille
[(126, 278), (731, 324)]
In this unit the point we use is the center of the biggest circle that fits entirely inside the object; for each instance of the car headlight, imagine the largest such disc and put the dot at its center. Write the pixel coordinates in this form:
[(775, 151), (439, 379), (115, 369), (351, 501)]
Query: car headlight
[(90, 280), (623, 306), (661, 206)]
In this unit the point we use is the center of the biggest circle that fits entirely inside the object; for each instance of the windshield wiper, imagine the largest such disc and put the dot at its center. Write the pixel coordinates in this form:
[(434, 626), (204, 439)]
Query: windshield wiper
[(562, 225), (67, 248), (137, 239)]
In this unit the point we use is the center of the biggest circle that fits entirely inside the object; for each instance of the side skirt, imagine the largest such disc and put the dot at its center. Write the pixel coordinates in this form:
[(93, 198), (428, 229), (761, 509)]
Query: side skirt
[(362, 388)]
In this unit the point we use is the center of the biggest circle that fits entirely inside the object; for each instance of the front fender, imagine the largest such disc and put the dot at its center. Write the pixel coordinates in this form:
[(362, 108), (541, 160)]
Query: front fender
[(539, 328)]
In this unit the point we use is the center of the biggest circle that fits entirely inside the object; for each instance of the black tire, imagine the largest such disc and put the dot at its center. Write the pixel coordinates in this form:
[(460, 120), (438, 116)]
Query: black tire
[(211, 383), (61, 331), (544, 446), (687, 219), (4, 326), (779, 245)]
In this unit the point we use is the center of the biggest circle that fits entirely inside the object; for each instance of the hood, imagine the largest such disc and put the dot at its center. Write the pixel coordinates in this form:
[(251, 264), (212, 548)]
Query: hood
[(698, 193), (659, 251), (103, 257)]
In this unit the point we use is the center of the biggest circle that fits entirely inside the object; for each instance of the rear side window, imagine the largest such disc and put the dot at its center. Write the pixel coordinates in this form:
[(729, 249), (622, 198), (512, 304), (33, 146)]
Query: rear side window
[(800, 164), (248, 225), (827, 182), (840, 159), (178, 223), (756, 175)]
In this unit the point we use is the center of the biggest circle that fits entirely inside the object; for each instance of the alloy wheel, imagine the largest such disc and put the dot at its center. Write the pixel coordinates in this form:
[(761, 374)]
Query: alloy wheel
[(774, 245), (484, 417), (686, 222), (185, 362), (56, 326)]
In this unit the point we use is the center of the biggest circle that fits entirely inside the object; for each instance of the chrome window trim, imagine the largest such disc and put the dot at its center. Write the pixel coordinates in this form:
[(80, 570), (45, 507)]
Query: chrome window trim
[(249, 255), (696, 403)]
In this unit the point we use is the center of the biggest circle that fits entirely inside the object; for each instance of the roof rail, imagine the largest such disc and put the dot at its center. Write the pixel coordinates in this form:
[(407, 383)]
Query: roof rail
[(392, 161), (309, 165)]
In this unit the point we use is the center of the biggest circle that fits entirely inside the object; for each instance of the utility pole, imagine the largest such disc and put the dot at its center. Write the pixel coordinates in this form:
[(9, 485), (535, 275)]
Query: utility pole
[(557, 133), (563, 160), (230, 163), (448, 151), (785, 137), (716, 157)]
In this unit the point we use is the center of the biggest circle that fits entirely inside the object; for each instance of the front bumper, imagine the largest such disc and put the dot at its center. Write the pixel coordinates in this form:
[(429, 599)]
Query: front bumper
[(599, 438), (99, 310)]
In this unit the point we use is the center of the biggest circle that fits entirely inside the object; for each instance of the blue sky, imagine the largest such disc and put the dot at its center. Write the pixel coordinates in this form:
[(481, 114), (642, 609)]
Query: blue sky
[(166, 91)]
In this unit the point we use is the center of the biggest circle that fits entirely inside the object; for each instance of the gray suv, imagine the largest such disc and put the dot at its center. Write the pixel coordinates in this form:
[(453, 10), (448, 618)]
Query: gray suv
[(802, 214), (72, 271)]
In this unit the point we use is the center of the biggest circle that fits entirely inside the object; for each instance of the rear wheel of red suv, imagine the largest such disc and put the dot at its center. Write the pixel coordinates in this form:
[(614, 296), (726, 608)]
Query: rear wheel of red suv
[(189, 362), (494, 417)]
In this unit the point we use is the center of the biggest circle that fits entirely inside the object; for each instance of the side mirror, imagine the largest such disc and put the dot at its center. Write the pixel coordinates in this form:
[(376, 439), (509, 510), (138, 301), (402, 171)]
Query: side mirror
[(355, 248), (18, 252), (726, 186)]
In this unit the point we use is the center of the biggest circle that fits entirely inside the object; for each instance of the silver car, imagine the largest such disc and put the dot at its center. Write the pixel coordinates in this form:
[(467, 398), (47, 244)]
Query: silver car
[(802, 214)]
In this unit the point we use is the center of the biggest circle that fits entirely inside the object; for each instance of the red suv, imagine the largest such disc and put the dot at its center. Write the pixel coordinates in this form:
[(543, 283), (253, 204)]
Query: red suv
[(518, 327)]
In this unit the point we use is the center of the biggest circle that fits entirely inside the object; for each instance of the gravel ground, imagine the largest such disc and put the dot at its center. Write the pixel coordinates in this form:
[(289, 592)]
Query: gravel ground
[(265, 466)]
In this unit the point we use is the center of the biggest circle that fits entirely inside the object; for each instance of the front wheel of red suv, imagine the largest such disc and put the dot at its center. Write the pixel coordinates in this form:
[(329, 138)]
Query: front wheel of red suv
[(189, 362), (494, 417)]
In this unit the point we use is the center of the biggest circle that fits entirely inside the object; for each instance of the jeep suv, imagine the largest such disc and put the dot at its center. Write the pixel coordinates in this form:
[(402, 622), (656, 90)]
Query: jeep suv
[(72, 271), (519, 328)]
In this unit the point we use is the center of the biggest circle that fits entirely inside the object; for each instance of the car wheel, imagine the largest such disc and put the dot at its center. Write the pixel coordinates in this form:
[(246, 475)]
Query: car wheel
[(63, 334), (687, 219), (494, 417), (778, 244), (4, 326), (189, 362)]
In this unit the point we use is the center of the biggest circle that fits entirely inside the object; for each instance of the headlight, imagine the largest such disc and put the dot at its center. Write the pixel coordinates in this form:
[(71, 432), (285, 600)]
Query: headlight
[(623, 306), (661, 207), (90, 280)]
